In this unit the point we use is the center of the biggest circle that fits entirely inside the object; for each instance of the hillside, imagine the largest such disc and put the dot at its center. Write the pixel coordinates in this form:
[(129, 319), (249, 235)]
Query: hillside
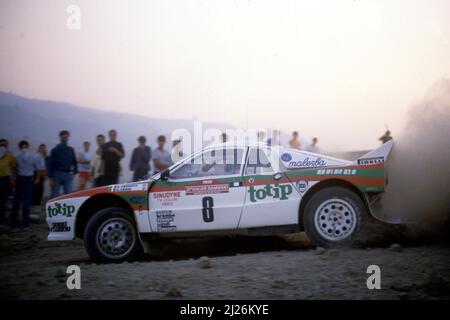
[(39, 121)]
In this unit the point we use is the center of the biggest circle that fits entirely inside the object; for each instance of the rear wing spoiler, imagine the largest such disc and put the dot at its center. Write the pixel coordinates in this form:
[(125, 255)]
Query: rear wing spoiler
[(376, 156)]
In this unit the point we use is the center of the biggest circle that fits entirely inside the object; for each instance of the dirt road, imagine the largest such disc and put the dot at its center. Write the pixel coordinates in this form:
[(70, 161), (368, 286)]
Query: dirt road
[(255, 268)]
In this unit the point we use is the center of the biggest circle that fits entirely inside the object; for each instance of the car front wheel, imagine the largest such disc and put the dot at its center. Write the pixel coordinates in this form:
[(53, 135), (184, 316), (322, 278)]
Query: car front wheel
[(111, 236)]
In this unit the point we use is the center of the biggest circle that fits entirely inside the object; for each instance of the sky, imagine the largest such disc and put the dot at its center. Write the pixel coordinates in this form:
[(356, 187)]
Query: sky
[(341, 70)]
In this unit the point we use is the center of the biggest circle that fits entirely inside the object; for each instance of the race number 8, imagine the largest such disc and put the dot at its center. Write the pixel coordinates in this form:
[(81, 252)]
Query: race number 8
[(208, 211)]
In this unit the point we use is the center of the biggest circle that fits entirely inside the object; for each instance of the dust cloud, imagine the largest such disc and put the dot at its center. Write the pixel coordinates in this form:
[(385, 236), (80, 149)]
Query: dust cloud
[(418, 168)]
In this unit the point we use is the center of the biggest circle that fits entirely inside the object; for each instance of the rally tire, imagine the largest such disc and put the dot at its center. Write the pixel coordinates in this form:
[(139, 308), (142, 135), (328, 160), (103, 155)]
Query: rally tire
[(335, 216), (110, 236)]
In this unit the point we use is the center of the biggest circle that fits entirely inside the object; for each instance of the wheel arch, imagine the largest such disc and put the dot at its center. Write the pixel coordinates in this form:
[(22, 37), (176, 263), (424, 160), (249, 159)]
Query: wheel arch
[(322, 185), (93, 205)]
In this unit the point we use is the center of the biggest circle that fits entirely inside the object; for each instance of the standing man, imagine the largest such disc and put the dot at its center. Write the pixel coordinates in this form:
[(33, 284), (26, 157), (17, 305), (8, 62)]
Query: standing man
[(161, 157), (140, 159), (40, 174), (112, 154), (97, 162), (294, 143), (313, 146), (23, 194), (224, 137), (62, 165), (84, 165), (7, 175)]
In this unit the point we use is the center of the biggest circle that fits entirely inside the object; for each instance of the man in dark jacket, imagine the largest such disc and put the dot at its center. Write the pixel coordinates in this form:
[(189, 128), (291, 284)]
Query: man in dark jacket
[(140, 159), (112, 153), (62, 165)]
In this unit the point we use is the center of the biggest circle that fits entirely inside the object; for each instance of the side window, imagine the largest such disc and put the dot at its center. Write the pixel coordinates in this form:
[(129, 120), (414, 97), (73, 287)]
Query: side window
[(213, 162), (258, 162)]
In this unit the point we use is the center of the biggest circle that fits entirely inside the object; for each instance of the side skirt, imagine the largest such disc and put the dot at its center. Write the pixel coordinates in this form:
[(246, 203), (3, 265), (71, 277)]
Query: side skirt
[(259, 231)]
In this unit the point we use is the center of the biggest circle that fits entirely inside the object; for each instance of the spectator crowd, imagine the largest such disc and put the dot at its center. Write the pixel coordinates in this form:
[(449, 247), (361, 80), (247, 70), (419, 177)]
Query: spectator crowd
[(24, 175)]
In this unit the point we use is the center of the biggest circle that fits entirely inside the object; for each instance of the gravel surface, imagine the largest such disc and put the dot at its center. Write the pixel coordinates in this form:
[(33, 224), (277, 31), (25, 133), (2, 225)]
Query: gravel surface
[(240, 268)]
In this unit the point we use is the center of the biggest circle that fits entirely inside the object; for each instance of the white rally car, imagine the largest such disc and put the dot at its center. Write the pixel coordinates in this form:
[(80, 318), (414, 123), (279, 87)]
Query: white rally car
[(248, 189)]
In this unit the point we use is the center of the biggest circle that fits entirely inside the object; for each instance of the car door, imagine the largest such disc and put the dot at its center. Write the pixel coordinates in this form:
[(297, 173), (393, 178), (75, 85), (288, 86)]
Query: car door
[(271, 198), (205, 192)]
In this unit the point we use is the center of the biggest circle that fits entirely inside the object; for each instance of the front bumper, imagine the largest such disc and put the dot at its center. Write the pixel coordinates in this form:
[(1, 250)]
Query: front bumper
[(61, 217)]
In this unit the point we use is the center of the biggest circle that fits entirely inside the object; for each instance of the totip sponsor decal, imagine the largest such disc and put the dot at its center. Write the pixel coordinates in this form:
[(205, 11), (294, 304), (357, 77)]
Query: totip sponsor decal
[(58, 209), (276, 191)]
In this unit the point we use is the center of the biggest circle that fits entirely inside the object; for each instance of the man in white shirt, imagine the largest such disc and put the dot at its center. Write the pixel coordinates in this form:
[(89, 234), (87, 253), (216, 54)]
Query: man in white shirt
[(84, 165)]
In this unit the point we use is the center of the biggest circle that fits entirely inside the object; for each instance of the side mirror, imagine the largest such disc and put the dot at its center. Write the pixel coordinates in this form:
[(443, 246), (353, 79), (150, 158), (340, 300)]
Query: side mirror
[(165, 174)]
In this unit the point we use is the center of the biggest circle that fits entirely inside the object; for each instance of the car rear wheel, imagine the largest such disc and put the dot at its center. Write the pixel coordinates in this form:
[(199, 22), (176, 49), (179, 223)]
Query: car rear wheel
[(334, 215), (111, 236)]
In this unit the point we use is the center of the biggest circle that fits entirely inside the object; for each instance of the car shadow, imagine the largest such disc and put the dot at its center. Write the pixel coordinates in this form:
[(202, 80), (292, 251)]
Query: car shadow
[(214, 247)]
